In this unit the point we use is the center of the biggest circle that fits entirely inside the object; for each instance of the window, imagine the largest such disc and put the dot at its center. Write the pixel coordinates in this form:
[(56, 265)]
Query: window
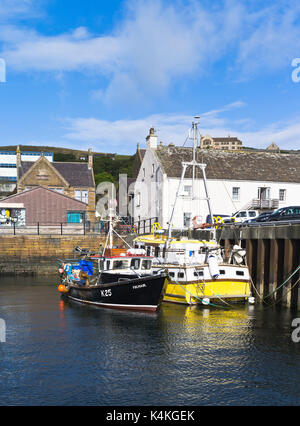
[(282, 194), (153, 169), (146, 264), (121, 264), (235, 193), (180, 274), (288, 211), (187, 219), (135, 263), (59, 190), (188, 190), (82, 196), (138, 201)]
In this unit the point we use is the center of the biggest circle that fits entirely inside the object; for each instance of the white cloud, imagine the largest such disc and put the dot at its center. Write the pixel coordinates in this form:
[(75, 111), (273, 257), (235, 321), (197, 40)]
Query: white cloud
[(18, 8), (272, 39), (122, 135), (157, 43)]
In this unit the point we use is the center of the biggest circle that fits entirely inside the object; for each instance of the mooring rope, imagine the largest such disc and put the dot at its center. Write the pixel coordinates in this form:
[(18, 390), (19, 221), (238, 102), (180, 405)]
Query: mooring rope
[(286, 281), (277, 301)]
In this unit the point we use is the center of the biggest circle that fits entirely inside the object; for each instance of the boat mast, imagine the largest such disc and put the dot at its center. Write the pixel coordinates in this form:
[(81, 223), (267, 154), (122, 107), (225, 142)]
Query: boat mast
[(195, 140), (110, 219), (194, 164), (203, 167)]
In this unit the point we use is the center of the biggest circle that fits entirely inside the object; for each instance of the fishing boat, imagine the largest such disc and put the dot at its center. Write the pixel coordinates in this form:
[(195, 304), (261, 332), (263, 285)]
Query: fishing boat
[(131, 292), (199, 272), (123, 278)]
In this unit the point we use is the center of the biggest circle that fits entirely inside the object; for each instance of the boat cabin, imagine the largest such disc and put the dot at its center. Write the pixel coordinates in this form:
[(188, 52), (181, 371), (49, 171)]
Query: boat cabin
[(133, 260)]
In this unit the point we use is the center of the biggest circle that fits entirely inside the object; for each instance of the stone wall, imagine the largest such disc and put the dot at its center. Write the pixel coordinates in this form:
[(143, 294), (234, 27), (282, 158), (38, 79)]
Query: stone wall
[(37, 254)]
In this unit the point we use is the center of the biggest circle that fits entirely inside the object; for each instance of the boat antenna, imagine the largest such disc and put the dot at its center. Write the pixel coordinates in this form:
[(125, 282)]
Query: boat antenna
[(195, 143)]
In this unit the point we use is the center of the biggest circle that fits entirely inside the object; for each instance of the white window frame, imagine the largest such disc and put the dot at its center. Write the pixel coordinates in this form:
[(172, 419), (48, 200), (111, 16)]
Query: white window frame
[(81, 195), (236, 196), (282, 191)]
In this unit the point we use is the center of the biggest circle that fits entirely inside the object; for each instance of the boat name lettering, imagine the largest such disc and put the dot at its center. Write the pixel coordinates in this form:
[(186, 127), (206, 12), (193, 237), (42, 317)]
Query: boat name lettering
[(106, 293), (135, 287)]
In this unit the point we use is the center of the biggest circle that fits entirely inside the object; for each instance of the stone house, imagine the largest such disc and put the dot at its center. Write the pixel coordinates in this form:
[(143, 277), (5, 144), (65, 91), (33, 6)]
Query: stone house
[(75, 180), (225, 143)]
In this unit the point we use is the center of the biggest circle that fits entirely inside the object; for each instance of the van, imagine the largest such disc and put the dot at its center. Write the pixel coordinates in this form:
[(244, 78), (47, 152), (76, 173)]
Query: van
[(242, 215)]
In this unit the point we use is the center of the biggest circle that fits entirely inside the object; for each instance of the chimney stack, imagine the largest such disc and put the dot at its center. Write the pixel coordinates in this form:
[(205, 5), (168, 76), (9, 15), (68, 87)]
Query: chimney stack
[(90, 158), (151, 139), (18, 159)]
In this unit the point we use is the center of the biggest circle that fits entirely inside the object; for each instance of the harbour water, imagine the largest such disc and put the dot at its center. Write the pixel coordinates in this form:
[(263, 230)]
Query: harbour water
[(59, 353)]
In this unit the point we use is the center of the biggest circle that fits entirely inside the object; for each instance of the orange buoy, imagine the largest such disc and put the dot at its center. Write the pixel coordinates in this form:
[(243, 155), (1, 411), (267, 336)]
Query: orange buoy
[(62, 288)]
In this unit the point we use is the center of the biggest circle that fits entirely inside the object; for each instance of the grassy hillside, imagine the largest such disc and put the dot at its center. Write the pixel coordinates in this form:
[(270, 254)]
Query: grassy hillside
[(107, 167), (56, 150)]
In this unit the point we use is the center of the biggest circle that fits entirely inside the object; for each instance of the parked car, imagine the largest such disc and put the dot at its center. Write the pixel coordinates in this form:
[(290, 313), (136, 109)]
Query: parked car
[(285, 214), (262, 217), (241, 216)]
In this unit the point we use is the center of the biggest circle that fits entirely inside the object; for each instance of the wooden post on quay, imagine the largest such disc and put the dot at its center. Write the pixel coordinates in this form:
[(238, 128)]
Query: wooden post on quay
[(273, 266), (260, 276), (287, 271)]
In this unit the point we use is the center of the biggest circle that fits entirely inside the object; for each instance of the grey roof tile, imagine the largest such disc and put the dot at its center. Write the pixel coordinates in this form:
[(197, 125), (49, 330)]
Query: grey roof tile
[(241, 165), (76, 174)]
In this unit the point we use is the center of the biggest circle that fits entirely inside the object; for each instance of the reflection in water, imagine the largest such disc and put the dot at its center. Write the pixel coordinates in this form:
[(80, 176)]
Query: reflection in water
[(65, 353)]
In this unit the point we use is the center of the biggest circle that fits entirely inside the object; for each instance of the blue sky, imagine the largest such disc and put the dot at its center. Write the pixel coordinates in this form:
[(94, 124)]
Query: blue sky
[(100, 73)]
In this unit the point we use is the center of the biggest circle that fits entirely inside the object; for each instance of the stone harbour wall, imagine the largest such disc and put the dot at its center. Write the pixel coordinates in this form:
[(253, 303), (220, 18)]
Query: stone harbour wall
[(38, 254)]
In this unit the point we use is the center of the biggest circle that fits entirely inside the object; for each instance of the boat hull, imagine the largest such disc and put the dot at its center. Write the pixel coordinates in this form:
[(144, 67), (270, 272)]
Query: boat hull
[(141, 294), (192, 293)]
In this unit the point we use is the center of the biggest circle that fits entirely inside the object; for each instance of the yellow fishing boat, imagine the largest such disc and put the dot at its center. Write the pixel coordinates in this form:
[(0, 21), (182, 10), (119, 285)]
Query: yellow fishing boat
[(199, 272)]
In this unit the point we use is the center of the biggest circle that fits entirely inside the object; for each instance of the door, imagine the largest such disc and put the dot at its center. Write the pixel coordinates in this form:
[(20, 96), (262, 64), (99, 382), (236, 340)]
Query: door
[(264, 193), (264, 197)]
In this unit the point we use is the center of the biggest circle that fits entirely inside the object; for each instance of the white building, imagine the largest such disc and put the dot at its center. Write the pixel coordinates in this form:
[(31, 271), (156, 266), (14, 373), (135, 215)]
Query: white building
[(236, 180)]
